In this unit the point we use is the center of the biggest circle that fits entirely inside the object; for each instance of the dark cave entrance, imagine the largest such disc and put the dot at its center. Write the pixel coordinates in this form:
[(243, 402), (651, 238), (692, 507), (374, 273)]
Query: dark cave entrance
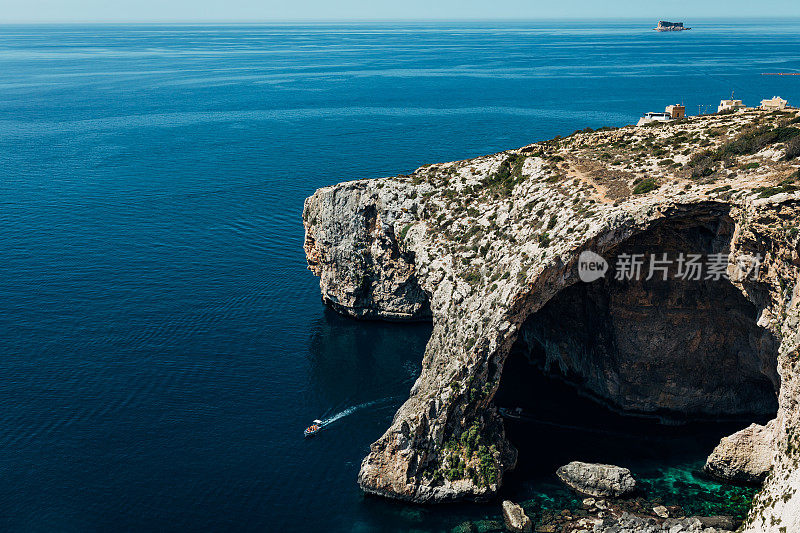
[(629, 370)]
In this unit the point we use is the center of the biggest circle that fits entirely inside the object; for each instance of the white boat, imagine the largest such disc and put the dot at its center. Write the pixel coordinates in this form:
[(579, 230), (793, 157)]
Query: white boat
[(313, 429)]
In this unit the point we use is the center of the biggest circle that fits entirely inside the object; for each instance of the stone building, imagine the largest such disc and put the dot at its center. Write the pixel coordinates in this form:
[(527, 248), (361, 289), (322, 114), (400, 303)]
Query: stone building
[(730, 105), (776, 103)]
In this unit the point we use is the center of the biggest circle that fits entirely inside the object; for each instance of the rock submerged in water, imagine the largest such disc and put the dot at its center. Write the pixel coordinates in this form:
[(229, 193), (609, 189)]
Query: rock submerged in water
[(631, 515), (723, 523), (661, 511), (605, 481), (481, 526), (515, 518), (628, 523)]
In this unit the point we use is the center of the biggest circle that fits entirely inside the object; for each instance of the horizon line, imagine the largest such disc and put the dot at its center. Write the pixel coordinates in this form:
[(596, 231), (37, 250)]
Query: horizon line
[(24, 22)]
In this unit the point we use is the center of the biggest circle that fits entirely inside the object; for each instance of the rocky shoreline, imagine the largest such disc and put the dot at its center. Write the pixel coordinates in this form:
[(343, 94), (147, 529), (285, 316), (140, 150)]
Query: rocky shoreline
[(601, 516), (625, 508), (489, 249)]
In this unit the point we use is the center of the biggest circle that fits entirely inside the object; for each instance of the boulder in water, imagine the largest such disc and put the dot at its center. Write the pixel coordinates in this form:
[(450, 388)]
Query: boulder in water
[(592, 479), (661, 511), (745, 456), (515, 518)]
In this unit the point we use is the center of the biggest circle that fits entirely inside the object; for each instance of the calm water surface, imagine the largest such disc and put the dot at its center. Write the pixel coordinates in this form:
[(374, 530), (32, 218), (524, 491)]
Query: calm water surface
[(162, 345)]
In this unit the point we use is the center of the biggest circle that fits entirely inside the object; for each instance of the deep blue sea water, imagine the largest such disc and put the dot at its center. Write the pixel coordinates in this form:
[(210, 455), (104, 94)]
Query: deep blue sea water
[(162, 345)]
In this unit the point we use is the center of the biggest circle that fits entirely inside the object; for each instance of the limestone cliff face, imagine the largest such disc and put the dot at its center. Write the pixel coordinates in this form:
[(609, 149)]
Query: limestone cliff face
[(363, 272), (488, 249)]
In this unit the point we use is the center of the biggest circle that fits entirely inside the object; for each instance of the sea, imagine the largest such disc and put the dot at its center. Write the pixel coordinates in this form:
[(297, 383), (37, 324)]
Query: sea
[(162, 344)]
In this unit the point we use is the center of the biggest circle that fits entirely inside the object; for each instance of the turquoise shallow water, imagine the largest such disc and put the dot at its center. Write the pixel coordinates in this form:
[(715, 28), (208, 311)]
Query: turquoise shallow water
[(163, 345)]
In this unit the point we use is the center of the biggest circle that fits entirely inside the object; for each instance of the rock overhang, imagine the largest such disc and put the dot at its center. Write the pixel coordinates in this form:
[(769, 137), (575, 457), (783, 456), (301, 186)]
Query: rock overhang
[(488, 242)]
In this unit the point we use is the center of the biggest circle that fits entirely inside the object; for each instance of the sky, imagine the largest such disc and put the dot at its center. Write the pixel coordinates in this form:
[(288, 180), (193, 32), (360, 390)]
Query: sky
[(322, 10)]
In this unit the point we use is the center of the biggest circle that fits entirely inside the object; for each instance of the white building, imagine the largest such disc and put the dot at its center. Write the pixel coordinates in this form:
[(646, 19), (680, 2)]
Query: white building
[(672, 112), (732, 105), (655, 116), (776, 103)]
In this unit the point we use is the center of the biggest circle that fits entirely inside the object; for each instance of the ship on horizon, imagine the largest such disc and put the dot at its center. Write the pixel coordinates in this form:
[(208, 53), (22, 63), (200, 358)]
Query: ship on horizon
[(663, 25)]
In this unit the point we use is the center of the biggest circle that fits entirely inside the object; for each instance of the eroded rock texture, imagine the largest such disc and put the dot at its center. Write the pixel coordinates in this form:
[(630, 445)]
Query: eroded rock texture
[(674, 347), (604, 481), (363, 272), (745, 456), (488, 248), (515, 518)]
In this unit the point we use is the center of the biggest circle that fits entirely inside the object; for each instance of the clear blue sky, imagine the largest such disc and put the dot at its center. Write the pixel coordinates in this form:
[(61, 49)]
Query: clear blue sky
[(281, 10)]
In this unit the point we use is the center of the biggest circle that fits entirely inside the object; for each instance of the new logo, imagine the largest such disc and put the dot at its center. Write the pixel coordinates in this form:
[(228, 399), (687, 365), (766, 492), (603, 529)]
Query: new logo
[(591, 266)]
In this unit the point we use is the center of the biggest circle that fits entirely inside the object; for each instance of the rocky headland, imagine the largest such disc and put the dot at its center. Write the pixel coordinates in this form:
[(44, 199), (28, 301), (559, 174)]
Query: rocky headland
[(489, 250)]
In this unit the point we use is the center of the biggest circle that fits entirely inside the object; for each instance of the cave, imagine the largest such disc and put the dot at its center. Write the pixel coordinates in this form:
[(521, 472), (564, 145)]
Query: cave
[(605, 362)]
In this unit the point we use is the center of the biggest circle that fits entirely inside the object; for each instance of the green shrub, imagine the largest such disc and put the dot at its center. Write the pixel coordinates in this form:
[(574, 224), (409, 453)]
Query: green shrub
[(473, 277), (404, 231), (748, 142), (469, 439), (645, 186), (487, 470), (508, 174), (544, 239), (786, 185), (702, 164), (474, 230), (792, 149), (753, 141)]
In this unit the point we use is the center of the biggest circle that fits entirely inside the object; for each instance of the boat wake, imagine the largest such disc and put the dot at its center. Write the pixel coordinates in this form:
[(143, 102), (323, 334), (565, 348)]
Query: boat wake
[(350, 410)]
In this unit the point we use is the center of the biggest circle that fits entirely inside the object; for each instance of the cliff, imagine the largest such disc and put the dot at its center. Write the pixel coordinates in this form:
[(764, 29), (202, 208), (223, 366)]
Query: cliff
[(489, 250)]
